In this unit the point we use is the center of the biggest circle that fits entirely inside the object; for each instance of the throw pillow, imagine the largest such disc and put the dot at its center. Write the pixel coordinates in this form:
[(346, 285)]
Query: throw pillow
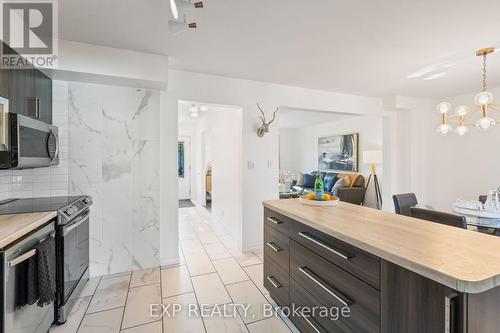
[(300, 179), (342, 182), (329, 181), (309, 180)]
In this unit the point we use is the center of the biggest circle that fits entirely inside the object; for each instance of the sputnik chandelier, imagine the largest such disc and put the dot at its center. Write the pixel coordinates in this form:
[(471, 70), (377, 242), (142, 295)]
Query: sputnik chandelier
[(483, 106)]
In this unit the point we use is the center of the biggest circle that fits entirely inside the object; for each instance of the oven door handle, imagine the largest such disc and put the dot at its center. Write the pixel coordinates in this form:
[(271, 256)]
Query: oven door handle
[(28, 254), (23, 257), (82, 219)]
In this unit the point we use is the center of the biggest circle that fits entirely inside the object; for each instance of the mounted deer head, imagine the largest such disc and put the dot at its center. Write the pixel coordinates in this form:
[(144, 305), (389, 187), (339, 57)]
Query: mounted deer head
[(264, 128)]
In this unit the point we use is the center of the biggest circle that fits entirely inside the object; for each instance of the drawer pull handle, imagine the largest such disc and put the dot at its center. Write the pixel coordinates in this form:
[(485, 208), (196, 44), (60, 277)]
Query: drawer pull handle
[(273, 220), (310, 274), (323, 245), (274, 282), (273, 246), (312, 325)]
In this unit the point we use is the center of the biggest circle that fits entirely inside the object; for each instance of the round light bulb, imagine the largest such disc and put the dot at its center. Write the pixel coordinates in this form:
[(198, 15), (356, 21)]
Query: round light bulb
[(173, 7), (461, 130), (462, 110), (483, 98), (444, 129), (484, 123), (443, 107)]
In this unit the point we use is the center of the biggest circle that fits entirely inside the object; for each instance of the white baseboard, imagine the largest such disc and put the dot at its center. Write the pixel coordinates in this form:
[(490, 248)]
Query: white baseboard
[(170, 261)]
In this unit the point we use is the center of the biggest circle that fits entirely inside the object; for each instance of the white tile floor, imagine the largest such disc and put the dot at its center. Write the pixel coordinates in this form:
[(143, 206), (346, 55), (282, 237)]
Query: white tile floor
[(211, 271)]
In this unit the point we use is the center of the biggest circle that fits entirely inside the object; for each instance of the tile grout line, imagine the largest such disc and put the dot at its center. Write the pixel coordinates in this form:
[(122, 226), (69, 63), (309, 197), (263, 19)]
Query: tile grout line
[(243, 268), (126, 300), (88, 306), (217, 272), (191, 280), (161, 296)]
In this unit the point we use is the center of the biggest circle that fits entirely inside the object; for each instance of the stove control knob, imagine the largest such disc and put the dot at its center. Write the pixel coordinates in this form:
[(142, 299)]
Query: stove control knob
[(86, 201)]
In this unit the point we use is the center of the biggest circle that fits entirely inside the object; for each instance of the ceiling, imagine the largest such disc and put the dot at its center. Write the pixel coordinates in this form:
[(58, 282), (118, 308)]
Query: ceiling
[(297, 118), (352, 46)]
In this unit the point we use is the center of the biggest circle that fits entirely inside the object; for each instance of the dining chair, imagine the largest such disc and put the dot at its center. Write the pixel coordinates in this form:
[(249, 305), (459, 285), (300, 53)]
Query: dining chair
[(453, 220), (403, 202), (483, 198)]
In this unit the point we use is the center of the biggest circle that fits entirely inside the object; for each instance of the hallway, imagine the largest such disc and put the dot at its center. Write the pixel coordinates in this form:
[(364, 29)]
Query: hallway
[(211, 271)]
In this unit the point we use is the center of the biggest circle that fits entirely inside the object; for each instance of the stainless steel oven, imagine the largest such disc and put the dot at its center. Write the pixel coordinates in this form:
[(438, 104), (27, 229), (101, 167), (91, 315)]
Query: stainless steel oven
[(72, 254), (27, 142), (15, 317)]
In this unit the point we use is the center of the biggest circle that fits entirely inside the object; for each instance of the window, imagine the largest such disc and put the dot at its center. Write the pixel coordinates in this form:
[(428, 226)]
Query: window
[(180, 158)]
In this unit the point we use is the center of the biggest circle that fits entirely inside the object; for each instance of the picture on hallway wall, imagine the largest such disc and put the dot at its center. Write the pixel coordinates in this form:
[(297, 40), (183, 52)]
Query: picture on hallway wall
[(180, 159), (338, 153)]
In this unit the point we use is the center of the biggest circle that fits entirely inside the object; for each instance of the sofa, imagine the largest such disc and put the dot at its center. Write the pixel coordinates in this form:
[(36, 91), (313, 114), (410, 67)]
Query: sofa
[(355, 193)]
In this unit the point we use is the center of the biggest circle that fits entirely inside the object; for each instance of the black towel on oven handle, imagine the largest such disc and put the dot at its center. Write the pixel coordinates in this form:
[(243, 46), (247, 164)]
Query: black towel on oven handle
[(41, 275)]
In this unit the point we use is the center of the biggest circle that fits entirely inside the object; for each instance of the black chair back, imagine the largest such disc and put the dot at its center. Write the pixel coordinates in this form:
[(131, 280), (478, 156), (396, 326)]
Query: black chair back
[(403, 202), (483, 198), (439, 217)]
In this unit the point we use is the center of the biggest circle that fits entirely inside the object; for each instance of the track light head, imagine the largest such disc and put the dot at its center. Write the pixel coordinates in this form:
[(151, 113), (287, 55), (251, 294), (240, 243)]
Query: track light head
[(180, 6), (177, 27)]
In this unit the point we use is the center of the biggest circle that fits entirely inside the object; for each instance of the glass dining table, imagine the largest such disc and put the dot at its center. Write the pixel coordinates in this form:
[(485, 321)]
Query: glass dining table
[(476, 220)]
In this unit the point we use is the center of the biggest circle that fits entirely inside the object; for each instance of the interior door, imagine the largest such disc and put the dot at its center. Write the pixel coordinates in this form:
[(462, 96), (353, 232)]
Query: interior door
[(184, 167)]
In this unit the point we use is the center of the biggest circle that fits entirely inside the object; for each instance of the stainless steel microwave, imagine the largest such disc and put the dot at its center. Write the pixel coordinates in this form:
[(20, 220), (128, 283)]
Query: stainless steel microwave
[(26, 142)]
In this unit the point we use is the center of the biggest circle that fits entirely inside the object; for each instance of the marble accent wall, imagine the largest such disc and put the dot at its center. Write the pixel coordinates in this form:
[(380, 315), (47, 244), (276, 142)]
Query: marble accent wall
[(114, 151)]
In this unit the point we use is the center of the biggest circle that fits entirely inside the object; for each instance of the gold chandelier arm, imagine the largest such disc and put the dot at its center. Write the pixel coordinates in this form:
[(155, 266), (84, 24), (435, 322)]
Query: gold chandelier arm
[(494, 107)]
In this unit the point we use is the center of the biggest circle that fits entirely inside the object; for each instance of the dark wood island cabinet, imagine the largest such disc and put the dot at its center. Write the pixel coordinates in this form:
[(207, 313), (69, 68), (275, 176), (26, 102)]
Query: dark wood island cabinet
[(395, 274)]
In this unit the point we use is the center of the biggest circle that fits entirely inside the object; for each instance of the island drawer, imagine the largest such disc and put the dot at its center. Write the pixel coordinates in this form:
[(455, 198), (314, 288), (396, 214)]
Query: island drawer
[(334, 287), (277, 221), (358, 262), (277, 282), (316, 321), (276, 247)]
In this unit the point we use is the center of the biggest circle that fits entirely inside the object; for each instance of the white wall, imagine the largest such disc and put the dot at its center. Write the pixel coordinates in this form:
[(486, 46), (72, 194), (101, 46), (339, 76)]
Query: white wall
[(49, 181), (218, 139), (260, 183), (302, 144)]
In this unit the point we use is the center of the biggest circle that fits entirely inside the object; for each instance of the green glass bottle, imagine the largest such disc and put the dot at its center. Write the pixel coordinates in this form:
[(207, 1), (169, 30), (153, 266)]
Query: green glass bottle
[(319, 187)]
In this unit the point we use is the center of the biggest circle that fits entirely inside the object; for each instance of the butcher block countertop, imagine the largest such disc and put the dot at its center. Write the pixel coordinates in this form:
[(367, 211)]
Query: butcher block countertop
[(15, 226), (467, 261)]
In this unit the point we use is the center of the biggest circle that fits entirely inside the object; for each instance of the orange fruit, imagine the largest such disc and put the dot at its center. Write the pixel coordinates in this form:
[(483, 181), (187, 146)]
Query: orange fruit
[(311, 196), (333, 197), (326, 197)]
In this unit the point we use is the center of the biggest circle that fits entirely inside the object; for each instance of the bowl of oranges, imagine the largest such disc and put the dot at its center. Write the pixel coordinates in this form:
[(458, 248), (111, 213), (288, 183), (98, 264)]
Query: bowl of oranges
[(327, 200)]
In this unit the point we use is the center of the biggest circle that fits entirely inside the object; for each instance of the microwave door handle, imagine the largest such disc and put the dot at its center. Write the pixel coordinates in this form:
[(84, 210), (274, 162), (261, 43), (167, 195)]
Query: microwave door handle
[(56, 153)]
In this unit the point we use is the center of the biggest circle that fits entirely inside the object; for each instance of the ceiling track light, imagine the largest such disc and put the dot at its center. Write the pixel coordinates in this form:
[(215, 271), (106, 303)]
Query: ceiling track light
[(177, 27), (180, 6)]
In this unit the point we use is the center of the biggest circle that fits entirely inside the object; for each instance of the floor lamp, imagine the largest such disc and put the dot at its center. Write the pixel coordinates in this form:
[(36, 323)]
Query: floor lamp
[(374, 157)]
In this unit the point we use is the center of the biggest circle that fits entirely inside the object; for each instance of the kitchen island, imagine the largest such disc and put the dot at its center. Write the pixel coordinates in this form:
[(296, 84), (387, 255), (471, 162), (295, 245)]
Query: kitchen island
[(394, 273)]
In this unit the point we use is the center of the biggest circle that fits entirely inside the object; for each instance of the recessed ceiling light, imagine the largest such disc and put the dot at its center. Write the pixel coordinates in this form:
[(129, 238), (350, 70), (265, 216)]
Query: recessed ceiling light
[(193, 111), (435, 76)]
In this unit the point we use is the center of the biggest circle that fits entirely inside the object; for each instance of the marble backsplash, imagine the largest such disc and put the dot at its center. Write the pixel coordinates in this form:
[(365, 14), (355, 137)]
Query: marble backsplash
[(114, 152)]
